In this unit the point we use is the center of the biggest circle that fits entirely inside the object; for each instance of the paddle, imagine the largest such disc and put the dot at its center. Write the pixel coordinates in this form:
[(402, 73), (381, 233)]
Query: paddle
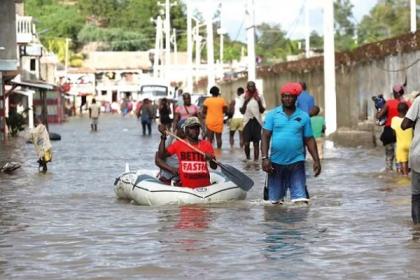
[(265, 192), (236, 176)]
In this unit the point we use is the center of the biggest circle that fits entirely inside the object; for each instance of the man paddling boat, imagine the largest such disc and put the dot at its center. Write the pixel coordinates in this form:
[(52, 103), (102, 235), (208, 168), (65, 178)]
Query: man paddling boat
[(193, 168)]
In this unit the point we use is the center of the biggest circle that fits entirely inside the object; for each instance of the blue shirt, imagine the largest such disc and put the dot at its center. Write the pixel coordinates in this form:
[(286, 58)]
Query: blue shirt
[(287, 135), (305, 102)]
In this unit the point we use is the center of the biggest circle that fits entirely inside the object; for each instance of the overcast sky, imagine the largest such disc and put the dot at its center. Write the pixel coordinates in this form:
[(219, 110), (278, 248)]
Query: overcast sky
[(288, 13)]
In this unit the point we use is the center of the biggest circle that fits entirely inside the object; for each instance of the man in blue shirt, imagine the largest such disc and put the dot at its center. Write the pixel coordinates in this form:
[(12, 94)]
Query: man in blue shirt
[(289, 130), (305, 101)]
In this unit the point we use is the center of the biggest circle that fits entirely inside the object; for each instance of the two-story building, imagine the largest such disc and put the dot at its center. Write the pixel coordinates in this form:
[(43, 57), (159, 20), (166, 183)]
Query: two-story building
[(32, 83)]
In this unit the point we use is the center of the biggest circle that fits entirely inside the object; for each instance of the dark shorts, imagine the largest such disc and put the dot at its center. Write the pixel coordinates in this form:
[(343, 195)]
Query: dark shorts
[(292, 177), (252, 131)]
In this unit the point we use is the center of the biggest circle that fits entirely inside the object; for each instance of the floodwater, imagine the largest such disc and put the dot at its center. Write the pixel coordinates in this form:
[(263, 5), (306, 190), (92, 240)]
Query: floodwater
[(68, 224)]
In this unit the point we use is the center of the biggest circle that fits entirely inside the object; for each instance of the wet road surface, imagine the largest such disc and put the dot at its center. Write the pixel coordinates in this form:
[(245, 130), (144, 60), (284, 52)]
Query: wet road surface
[(68, 224)]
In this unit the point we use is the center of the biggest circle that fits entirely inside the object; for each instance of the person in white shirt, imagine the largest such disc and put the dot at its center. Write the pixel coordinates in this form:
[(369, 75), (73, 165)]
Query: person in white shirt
[(253, 108), (237, 121), (94, 112), (412, 120)]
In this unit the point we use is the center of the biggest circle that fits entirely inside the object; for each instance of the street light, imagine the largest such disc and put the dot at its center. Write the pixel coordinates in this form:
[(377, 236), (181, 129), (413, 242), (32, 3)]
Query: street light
[(167, 26)]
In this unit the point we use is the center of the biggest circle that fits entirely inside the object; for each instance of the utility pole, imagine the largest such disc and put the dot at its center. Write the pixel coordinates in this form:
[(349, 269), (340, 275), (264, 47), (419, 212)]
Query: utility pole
[(210, 47), (307, 31), (221, 33), (168, 36), (329, 69), (66, 57), (413, 16), (189, 48), (197, 38), (167, 27), (175, 47), (158, 47), (250, 16)]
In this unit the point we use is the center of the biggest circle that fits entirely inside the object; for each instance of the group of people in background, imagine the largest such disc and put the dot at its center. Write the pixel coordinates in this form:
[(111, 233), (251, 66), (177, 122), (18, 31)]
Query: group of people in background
[(285, 134), (402, 142), (396, 140)]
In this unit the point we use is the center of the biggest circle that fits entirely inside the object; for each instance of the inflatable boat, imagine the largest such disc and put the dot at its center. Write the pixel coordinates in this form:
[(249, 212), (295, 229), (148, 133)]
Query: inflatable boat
[(144, 188)]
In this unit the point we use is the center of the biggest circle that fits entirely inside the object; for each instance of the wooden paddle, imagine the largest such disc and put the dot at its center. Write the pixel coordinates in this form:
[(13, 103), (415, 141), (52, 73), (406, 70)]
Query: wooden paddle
[(236, 176)]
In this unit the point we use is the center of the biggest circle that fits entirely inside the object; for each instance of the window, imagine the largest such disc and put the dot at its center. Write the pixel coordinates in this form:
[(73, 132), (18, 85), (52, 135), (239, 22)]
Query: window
[(33, 64)]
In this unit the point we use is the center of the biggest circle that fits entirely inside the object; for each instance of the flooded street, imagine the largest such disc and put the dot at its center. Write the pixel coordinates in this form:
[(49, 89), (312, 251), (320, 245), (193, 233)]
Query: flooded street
[(68, 224)]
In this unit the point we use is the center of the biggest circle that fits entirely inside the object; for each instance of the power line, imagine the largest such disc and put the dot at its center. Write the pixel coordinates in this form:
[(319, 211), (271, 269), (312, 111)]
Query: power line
[(296, 20), (239, 30)]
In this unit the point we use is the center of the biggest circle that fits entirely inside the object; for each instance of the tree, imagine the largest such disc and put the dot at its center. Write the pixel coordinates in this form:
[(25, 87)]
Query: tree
[(271, 42), (134, 17), (55, 20), (389, 18), (103, 12), (343, 25), (317, 41)]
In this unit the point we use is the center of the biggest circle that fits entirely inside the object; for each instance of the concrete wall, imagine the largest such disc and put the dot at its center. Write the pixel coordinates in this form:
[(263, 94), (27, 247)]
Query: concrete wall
[(8, 58), (367, 71)]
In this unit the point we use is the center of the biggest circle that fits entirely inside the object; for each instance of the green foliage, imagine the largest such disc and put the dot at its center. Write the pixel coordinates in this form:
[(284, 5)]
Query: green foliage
[(115, 39), (343, 25), (232, 49), (389, 18), (119, 25), (316, 41), (104, 10), (271, 42), (57, 46), (133, 18), (54, 19)]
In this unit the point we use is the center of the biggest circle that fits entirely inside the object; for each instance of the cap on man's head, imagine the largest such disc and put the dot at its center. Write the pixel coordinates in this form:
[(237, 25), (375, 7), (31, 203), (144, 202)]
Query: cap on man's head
[(398, 88), (291, 88), (191, 121)]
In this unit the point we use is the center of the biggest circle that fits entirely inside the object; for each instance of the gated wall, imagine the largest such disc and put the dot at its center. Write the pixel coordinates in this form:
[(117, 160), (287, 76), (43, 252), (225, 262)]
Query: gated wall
[(366, 71)]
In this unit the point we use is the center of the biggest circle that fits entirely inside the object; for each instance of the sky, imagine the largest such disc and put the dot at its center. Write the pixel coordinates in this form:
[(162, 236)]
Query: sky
[(288, 13)]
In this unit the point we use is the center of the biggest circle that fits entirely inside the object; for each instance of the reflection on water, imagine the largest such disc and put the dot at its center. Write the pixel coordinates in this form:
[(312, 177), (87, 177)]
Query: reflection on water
[(283, 230), (67, 224), (193, 218)]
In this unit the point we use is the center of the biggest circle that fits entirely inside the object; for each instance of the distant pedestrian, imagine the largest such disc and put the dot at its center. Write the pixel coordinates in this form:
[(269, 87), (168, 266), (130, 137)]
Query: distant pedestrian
[(318, 129), (184, 111), (165, 113), (305, 100), (388, 135), (404, 138), (124, 107), (253, 108), (237, 118), (114, 107), (289, 130), (41, 140), (179, 98), (146, 116), (412, 119), (94, 112), (214, 109)]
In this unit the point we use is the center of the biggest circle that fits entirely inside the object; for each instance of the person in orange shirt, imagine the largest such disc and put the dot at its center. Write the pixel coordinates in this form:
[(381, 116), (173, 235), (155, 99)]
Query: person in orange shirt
[(214, 109)]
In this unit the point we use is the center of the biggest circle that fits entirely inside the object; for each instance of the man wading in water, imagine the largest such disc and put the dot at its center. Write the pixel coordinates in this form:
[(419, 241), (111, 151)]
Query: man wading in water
[(289, 130), (193, 170)]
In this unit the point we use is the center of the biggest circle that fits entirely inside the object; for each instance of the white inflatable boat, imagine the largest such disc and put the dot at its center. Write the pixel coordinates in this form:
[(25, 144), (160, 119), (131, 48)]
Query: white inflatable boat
[(144, 188)]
